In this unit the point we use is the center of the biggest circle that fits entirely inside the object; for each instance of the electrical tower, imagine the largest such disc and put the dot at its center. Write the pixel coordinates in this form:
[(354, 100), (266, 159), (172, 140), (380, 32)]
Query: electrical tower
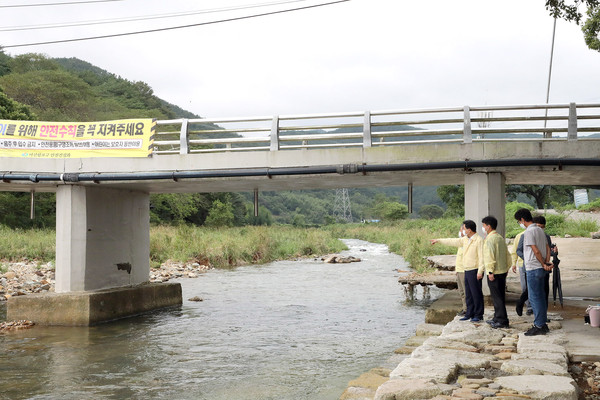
[(341, 206)]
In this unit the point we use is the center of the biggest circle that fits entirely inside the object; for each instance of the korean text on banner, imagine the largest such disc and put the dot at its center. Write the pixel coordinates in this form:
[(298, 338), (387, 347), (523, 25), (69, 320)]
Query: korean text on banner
[(34, 139)]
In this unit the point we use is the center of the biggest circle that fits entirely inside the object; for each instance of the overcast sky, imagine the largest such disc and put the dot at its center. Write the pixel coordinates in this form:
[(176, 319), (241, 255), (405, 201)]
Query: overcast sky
[(351, 56)]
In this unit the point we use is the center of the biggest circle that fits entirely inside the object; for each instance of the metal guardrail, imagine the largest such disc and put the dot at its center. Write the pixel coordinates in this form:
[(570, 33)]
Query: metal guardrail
[(548, 122)]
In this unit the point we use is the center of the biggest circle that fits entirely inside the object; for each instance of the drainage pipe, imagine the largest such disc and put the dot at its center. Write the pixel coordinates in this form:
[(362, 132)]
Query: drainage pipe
[(466, 165)]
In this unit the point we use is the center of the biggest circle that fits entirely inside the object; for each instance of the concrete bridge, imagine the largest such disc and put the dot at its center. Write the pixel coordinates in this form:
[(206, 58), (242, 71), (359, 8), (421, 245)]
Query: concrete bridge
[(102, 229)]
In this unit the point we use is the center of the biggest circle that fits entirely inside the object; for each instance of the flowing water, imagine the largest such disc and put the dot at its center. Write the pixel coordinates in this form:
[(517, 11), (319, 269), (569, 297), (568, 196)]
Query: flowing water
[(286, 330)]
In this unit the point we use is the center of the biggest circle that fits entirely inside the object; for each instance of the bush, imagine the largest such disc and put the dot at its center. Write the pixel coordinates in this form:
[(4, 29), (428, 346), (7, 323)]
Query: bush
[(431, 211), (391, 211), (220, 214), (592, 206)]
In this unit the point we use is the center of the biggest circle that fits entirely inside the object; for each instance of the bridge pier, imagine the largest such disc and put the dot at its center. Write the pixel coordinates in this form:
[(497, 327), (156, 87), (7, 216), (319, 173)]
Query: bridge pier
[(484, 195), (102, 260)]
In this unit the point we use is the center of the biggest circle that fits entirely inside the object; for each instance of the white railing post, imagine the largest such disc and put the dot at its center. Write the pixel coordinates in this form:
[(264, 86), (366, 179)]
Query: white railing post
[(367, 140), (572, 131), (467, 134), (275, 134), (184, 139)]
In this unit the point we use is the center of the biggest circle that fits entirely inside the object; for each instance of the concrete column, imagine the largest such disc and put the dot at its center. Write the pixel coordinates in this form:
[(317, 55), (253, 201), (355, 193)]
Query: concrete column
[(484, 195), (102, 238)]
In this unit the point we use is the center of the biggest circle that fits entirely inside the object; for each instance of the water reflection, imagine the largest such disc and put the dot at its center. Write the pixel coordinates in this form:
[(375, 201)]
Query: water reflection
[(287, 330)]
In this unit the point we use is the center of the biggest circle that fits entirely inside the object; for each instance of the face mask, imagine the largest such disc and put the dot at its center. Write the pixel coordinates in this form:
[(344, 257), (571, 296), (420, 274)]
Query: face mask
[(464, 233), (522, 226)]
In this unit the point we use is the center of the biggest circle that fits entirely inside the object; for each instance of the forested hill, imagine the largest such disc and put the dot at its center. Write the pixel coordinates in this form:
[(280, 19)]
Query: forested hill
[(69, 89), (74, 90)]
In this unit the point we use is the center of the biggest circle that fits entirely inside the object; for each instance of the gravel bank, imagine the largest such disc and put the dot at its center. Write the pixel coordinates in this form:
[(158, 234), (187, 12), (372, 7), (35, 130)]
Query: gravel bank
[(30, 276)]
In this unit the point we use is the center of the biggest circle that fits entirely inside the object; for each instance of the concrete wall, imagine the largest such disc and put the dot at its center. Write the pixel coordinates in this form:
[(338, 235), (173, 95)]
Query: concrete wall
[(484, 195), (102, 238)]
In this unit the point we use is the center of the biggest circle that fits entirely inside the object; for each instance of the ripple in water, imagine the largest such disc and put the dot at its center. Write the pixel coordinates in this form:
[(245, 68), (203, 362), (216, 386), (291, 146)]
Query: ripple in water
[(286, 330)]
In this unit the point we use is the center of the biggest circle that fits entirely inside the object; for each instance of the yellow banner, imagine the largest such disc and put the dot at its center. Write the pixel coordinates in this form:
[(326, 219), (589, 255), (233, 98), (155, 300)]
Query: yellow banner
[(34, 139)]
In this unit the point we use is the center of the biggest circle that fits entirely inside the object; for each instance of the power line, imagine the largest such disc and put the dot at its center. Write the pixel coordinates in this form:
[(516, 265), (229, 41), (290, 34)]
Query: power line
[(173, 27), (58, 4), (142, 18)]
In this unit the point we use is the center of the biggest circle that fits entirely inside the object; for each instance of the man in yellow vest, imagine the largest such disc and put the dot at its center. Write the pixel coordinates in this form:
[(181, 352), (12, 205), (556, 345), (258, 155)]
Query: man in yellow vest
[(517, 262), (472, 263), (497, 260)]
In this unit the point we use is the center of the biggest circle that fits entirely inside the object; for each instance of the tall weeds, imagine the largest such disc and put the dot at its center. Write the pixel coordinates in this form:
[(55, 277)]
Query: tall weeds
[(227, 247)]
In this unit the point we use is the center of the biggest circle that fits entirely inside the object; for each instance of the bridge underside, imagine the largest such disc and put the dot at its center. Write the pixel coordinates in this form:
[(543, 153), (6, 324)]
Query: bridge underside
[(418, 164), (567, 175)]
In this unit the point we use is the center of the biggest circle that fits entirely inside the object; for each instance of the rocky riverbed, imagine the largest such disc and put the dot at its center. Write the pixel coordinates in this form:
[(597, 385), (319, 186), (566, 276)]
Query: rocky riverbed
[(31, 276)]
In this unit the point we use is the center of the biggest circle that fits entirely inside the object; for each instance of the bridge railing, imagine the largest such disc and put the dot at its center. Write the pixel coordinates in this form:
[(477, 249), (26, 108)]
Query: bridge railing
[(548, 122)]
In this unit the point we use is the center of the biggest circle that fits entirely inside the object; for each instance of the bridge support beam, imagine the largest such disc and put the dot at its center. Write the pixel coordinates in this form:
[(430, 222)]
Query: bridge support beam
[(102, 247), (102, 238), (484, 195)]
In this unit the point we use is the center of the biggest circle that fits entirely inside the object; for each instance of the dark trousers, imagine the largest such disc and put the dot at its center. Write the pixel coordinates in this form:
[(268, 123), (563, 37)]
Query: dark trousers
[(525, 295), (547, 286), (473, 295), (498, 293)]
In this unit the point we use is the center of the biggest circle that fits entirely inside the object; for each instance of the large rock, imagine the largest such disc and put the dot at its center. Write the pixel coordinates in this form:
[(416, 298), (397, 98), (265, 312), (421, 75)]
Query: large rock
[(368, 380), (357, 393), (442, 262), (443, 343), (540, 387), (462, 359), (441, 370), (528, 366), (444, 309), (440, 365), (9, 275), (426, 329), (556, 358), (407, 389)]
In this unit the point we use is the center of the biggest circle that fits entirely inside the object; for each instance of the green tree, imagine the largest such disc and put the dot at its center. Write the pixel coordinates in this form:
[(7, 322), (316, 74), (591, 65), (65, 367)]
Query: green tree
[(264, 216), (10, 109), (174, 207), (391, 211), (542, 195), (15, 210), (454, 197), (570, 12), (299, 220), (53, 94), (5, 60), (32, 62), (431, 211), (220, 214)]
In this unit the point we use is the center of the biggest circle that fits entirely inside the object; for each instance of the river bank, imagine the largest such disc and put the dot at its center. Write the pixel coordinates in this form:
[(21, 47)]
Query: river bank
[(570, 354), (463, 360)]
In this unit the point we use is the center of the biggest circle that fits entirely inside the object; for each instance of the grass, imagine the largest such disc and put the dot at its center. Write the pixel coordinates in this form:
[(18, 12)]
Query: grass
[(19, 244), (230, 247)]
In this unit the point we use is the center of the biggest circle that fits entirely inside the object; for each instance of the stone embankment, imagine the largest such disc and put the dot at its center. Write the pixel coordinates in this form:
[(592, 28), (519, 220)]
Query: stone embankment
[(464, 360)]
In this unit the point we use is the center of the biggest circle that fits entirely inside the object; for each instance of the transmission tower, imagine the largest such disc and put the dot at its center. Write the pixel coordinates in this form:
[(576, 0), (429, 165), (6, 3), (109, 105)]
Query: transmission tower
[(341, 205)]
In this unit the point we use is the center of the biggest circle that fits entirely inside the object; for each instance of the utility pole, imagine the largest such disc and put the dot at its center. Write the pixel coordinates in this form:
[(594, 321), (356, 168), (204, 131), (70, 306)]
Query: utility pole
[(549, 134), (341, 206)]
